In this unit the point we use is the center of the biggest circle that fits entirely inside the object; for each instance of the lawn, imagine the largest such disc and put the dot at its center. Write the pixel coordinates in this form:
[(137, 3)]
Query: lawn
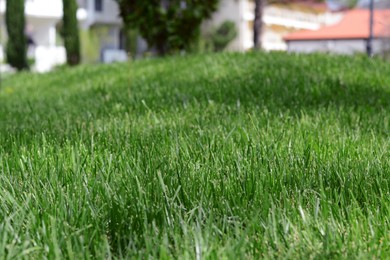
[(212, 156)]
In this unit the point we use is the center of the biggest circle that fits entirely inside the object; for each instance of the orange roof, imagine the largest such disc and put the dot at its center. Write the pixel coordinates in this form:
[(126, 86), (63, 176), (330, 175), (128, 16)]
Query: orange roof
[(354, 25)]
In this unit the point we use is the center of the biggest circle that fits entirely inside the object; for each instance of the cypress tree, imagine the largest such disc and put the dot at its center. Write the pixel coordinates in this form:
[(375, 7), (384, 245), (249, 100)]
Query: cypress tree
[(16, 49), (70, 32)]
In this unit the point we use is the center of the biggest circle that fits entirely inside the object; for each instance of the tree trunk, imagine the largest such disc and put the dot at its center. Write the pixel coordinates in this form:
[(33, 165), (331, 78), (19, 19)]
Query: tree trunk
[(258, 23)]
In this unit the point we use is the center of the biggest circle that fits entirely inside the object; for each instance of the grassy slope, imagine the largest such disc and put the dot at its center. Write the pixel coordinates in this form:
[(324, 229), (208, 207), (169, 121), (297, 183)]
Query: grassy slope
[(209, 156)]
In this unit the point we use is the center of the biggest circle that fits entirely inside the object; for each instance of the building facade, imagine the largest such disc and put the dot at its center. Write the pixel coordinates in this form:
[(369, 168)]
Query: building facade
[(105, 25), (349, 36), (43, 18), (279, 20)]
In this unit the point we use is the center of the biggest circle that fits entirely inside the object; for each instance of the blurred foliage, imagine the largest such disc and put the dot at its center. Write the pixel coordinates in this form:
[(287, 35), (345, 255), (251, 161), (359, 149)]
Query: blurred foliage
[(30, 61), (223, 35), (90, 46), (219, 38), (131, 41), (167, 25), (92, 41)]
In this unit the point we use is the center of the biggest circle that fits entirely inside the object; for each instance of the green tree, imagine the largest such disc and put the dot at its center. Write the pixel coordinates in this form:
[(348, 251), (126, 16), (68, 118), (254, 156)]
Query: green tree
[(16, 49), (167, 25), (70, 32)]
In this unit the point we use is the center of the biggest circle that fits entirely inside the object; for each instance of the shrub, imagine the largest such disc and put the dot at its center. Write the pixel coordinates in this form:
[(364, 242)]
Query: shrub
[(223, 35)]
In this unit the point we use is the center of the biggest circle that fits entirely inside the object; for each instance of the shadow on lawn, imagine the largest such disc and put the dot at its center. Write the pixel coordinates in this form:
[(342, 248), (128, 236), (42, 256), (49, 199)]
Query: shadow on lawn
[(277, 97), (311, 95), (293, 90), (290, 92), (307, 93)]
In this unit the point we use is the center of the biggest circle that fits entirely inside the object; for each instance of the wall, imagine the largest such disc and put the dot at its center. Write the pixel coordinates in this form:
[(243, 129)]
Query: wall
[(280, 21), (40, 8), (46, 57), (109, 14), (273, 41), (241, 12), (334, 46), (43, 31)]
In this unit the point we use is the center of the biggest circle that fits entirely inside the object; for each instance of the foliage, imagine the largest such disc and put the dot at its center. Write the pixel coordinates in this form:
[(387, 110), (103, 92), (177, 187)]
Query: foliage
[(223, 35), (16, 49), (167, 25), (131, 43), (215, 39), (90, 46), (222, 156), (91, 41), (70, 32)]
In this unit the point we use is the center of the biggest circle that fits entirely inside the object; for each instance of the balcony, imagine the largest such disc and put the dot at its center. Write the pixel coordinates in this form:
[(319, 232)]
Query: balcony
[(292, 18)]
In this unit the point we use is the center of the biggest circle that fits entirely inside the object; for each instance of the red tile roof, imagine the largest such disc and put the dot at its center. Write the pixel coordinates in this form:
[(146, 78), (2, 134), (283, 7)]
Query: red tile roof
[(354, 25)]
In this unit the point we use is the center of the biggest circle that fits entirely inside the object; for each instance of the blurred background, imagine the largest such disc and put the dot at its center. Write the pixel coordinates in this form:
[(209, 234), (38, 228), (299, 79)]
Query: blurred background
[(116, 30)]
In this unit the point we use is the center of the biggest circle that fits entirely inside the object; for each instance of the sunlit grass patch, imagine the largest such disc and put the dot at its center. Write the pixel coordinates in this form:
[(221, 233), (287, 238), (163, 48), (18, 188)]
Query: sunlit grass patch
[(229, 155)]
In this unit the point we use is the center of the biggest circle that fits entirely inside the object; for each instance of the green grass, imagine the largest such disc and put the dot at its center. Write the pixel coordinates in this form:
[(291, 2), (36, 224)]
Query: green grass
[(219, 156)]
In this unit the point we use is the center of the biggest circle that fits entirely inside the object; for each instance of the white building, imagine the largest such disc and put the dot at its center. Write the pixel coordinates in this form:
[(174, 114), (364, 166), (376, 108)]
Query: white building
[(42, 18), (279, 20), (349, 36), (104, 22)]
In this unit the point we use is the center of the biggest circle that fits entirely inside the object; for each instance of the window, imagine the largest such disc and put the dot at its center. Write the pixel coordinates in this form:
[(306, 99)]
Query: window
[(98, 5)]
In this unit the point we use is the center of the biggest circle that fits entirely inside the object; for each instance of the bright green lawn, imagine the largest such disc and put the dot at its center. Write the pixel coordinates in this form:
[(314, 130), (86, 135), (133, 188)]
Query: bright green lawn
[(219, 156)]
